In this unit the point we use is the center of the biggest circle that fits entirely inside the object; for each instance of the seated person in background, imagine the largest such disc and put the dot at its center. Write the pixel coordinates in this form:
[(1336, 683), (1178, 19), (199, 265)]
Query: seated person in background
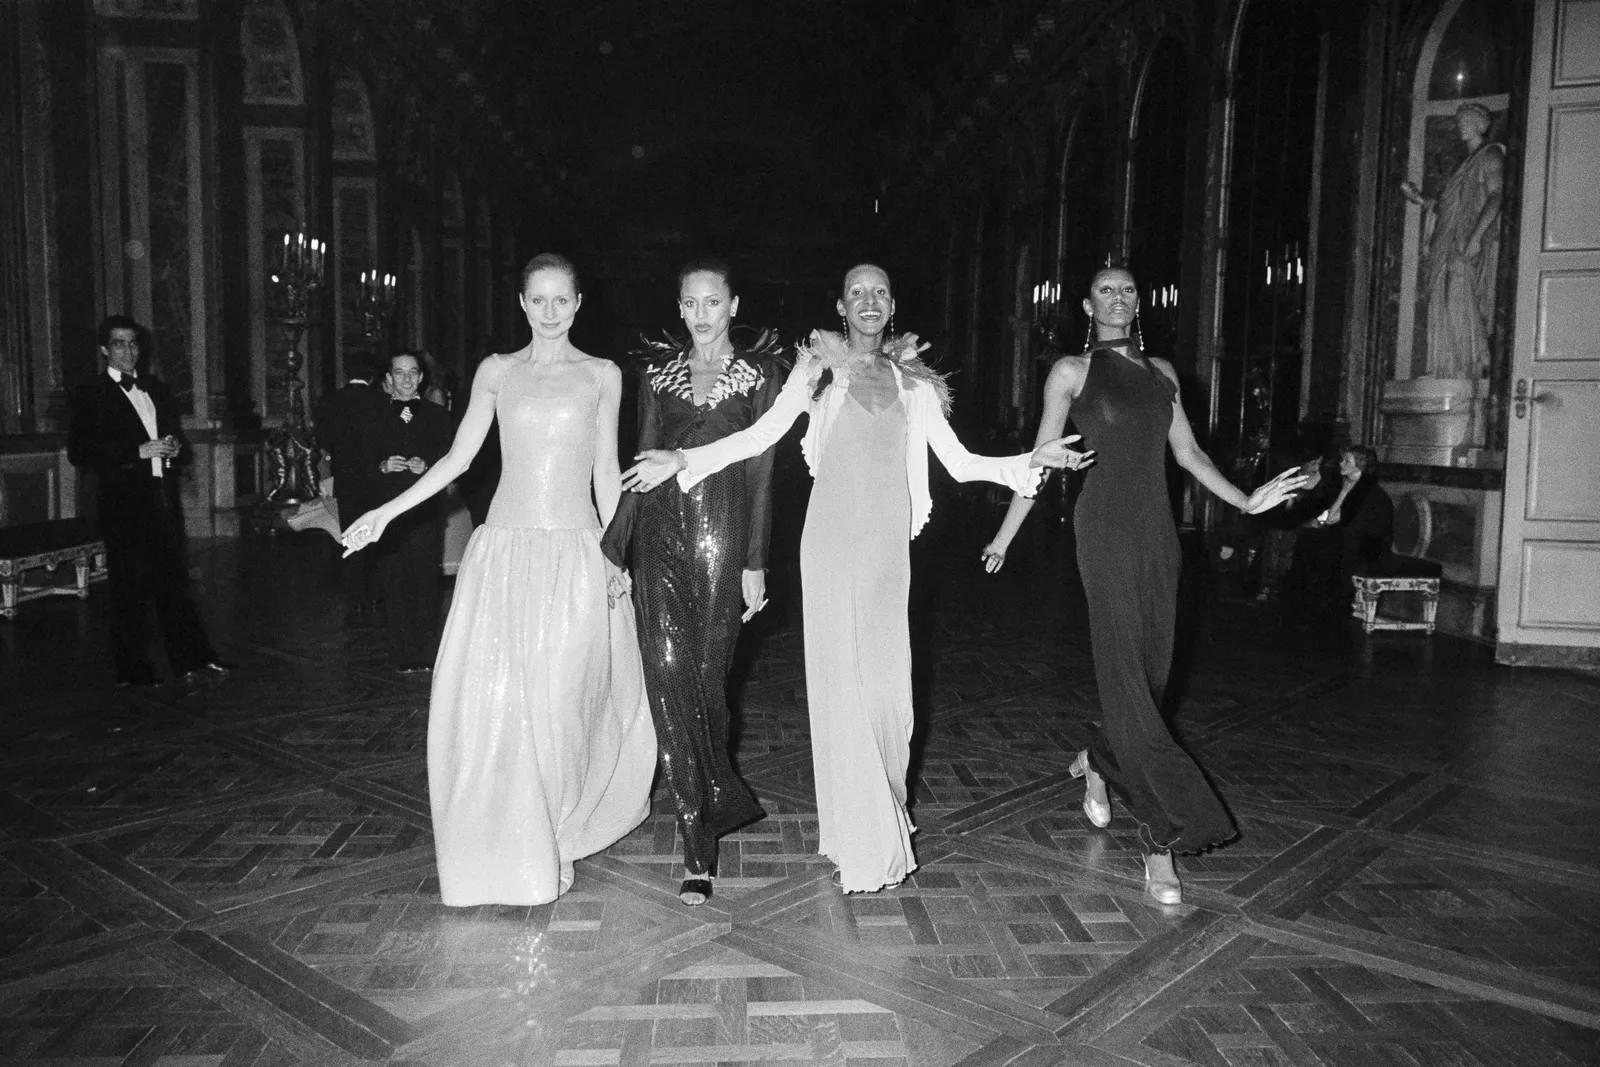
[(1282, 526), (1352, 534)]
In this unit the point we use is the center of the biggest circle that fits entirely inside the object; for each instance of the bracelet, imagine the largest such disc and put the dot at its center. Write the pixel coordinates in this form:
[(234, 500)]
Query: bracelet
[(683, 460)]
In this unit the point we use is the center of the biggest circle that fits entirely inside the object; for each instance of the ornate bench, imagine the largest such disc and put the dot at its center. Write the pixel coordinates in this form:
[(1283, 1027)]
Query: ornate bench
[(1396, 574), (47, 545)]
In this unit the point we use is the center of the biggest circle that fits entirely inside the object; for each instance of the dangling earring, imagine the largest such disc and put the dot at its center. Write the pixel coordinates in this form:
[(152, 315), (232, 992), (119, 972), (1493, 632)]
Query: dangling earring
[(844, 327), (1088, 336), (1138, 331), (890, 334)]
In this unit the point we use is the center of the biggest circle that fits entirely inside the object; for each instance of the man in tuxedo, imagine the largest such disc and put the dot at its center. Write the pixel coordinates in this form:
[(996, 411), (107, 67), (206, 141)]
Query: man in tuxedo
[(340, 421), (124, 429), (404, 437)]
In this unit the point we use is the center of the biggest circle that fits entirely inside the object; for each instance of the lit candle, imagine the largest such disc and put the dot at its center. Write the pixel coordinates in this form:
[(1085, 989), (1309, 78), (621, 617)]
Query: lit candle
[(285, 254)]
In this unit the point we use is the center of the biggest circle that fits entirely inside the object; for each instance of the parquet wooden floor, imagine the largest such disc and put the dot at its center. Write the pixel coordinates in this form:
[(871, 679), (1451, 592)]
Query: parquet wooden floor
[(241, 875)]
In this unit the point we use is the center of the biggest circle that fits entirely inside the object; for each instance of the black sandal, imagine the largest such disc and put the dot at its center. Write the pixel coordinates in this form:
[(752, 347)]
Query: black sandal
[(692, 888)]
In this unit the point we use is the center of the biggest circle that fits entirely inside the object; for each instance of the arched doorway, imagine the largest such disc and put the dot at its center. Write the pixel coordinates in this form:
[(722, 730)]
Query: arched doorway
[(1159, 149), (1260, 362), (1085, 242)]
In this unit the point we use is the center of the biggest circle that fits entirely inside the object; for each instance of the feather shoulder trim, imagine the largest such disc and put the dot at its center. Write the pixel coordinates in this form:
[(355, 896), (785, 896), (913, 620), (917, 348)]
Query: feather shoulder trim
[(667, 365), (830, 357)]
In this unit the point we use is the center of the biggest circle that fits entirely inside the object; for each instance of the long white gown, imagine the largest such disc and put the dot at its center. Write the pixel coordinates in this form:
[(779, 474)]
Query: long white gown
[(540, 745)]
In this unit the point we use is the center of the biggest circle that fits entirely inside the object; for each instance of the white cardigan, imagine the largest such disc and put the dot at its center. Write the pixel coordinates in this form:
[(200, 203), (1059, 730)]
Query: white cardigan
[(926, 427)]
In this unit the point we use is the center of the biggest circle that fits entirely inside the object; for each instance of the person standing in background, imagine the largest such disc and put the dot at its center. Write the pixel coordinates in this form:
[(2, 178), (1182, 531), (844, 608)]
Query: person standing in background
[(403, 437), (125, 430), (340, 418)]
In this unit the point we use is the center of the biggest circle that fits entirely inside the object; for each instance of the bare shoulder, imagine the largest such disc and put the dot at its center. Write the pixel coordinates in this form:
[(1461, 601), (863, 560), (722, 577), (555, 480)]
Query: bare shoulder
[(1068, 373), (605, 372), (492, 368)]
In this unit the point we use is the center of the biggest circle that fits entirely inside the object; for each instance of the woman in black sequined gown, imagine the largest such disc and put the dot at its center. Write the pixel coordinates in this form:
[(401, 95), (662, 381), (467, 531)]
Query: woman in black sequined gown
[(699, 559), (1126, 406)]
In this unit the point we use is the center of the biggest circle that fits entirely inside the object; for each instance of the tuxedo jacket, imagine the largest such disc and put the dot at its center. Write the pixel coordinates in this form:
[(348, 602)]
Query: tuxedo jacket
[(104, 437), (384, 433), (343, 420)]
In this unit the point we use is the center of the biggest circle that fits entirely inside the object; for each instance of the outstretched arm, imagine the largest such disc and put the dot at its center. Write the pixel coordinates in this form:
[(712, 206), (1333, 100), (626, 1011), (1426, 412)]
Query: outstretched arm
[(693, 465), (1020, 473), (1060, 388), (1192, 458), (469, 438)]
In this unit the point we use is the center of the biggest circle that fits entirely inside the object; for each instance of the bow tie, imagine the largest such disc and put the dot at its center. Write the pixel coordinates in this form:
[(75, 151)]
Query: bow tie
[(128, 383)]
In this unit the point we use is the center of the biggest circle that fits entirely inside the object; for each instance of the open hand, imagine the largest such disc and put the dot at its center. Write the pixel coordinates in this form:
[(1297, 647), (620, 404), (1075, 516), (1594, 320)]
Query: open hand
[(1059, 455), (1275, 492), (905, 346), (655, 466)]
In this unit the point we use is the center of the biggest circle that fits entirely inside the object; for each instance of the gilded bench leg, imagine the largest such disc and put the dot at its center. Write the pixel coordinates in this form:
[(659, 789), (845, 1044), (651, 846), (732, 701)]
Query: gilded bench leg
[(1367, 601)]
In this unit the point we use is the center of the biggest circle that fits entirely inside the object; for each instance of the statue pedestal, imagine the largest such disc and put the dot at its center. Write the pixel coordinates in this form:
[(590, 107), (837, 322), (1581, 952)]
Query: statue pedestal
[(1435, 422)]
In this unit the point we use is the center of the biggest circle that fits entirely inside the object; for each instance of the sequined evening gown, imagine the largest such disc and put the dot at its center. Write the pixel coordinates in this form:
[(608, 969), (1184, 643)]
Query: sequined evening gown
[(690, 549), (1129, 561), (540, 747)]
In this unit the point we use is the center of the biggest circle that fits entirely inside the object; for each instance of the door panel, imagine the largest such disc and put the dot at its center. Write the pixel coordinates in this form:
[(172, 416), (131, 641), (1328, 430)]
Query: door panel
[(1564, 429), (1578, 44), (1572, 197), (1550, 540), (1560, 579), (1569, 315)]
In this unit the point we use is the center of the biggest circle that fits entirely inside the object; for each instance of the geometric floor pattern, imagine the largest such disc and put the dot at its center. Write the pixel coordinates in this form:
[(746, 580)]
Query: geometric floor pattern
[(241, 874)]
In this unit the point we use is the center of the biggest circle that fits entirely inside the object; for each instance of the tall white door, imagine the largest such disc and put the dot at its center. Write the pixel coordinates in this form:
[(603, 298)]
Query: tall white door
[(1549, 603)]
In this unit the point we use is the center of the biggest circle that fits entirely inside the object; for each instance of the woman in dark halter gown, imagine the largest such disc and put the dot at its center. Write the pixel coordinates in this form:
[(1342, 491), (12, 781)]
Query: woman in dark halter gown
[(1125, 404)]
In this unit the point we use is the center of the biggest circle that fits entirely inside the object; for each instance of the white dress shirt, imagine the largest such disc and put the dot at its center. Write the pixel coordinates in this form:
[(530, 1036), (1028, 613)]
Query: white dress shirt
[(146, 409)]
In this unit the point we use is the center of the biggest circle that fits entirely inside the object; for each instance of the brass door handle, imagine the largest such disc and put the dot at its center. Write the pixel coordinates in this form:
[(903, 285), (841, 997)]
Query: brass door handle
[(1520, 399)]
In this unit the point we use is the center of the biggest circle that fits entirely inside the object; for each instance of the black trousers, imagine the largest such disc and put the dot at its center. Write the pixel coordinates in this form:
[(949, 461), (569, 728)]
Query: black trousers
[(147, 569), (356, 578), (408, 574)]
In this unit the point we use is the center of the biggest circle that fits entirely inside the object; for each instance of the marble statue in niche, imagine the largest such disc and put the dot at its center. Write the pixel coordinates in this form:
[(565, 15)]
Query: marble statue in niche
[(1460, 263)]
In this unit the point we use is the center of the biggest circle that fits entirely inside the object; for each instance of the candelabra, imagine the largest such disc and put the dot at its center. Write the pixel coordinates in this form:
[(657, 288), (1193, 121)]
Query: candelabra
[(291, 455), (373, 303)]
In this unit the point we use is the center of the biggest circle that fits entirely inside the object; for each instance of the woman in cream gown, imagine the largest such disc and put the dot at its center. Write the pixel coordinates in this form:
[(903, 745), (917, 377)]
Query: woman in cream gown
[(540, 745)]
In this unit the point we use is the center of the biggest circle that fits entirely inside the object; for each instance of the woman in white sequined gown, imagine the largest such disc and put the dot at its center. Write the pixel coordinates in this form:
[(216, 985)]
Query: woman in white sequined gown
[(540, 745)]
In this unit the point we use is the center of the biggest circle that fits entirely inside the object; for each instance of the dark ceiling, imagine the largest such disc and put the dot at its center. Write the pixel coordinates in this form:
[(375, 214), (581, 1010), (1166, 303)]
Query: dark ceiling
[(723, 122)]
